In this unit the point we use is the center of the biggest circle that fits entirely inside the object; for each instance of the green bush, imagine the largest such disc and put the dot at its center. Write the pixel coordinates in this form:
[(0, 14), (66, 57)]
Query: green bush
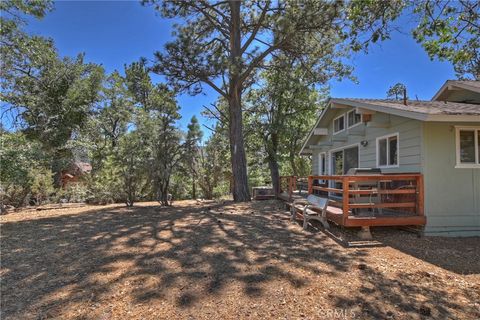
[(74, 192), (103, 185), (20, 161), (41, 184)]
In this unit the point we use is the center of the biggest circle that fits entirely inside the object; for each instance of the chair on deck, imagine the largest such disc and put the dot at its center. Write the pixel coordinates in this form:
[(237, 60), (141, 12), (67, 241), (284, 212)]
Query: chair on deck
[(313, 208)]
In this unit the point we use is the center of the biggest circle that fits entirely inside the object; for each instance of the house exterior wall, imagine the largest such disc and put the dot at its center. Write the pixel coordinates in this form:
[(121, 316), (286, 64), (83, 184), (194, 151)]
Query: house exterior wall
[(410, 142), (452, 195)]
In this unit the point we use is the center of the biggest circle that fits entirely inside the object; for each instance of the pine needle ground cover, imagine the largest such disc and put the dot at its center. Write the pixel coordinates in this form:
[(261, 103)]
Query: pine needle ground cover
[(223, 261)]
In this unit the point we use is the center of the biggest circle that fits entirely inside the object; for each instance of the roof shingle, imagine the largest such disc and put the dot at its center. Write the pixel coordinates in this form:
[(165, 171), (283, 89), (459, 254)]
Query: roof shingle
[(424, 107)]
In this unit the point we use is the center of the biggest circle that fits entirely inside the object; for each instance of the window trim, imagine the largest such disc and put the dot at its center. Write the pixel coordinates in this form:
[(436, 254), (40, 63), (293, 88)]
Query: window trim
[(344, 123), (356, 124), (324, 164), (388, 151), (476, 131)]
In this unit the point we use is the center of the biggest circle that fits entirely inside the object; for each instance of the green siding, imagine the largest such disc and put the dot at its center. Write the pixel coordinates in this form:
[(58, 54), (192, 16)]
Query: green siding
[(410, 141), (315, 164), (452, 195)]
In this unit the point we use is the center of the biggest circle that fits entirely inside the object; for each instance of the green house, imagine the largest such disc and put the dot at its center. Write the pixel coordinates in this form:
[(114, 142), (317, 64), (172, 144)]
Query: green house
[(440, 139)]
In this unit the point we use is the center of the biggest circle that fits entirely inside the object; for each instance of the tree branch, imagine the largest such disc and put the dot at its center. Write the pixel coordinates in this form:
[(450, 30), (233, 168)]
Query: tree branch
[(256, 28)]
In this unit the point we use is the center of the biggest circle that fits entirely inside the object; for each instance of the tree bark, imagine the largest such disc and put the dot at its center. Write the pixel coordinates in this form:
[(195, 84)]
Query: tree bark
[(293, 164), (271, 146), (274, 174), (194, 189), (291, 157), (241, 191), (130, 192), (163, 196)]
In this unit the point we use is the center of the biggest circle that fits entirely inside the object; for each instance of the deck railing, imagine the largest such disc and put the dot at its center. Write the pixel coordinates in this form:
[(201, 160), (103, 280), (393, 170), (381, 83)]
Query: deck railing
[(393, 192), (288, 185)]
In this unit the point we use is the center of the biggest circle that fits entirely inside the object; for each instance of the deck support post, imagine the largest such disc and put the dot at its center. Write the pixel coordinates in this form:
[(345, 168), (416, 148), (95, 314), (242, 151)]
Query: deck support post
[(345, 200), (420, 196), (365, 233)]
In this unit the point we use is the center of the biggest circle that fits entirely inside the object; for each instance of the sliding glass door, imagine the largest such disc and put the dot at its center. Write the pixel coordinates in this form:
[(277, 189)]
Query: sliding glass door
[(350, 159), (343, 160)]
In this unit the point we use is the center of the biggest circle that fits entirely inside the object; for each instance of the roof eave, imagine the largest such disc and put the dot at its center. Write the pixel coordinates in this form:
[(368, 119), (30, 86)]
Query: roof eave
[(440, 91), (301, 153), (455, 84), (375, 107), (453, 117), (410, 114)]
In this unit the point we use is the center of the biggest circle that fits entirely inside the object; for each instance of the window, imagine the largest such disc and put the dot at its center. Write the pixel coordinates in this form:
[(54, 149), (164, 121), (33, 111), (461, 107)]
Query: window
[(468, 147), (387, 151), (353, 118), (339, 124)]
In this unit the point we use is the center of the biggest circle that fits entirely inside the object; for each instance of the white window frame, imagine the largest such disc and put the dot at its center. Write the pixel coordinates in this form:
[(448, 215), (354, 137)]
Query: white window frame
[(322, 161), (388, 151), (356, 124), (344, 123), (476, 130)]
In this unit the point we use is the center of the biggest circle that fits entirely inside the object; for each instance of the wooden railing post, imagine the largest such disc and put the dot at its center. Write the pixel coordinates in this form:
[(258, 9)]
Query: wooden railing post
[(290, 187), (346, 196), (310, 184), (420, 196)]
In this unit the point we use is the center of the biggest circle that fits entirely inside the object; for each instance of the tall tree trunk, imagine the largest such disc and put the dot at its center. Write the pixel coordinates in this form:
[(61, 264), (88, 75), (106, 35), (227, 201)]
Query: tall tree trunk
[(271, 146), (194, 189), (292, 155), (274, 174), (164, 198), (241, 192), (293, 164), (130, 192)]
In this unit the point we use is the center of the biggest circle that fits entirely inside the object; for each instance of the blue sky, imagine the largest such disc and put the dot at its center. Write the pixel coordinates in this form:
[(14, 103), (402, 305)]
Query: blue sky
[(114, 33)]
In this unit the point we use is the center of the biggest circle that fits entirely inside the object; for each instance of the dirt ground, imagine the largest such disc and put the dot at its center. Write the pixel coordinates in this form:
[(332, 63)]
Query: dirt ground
[(224, 261)]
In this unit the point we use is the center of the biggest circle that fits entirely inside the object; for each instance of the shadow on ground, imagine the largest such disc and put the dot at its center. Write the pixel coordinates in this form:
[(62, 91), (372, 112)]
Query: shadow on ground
[(459, 255), (89, 264)]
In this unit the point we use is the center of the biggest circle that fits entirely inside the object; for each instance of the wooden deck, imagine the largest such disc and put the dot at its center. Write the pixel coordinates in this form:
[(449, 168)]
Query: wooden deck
[(366, 200)]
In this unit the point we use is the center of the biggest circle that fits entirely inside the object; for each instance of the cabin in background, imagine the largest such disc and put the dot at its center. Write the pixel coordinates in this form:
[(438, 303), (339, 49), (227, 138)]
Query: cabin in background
[(74, 172)]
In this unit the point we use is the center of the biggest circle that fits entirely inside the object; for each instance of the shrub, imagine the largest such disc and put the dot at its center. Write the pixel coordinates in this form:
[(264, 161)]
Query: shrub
[(41, 184), (74, 192)]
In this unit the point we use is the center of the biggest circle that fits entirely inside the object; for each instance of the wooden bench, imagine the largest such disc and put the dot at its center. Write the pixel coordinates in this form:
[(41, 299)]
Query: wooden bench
[(313, 208)]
